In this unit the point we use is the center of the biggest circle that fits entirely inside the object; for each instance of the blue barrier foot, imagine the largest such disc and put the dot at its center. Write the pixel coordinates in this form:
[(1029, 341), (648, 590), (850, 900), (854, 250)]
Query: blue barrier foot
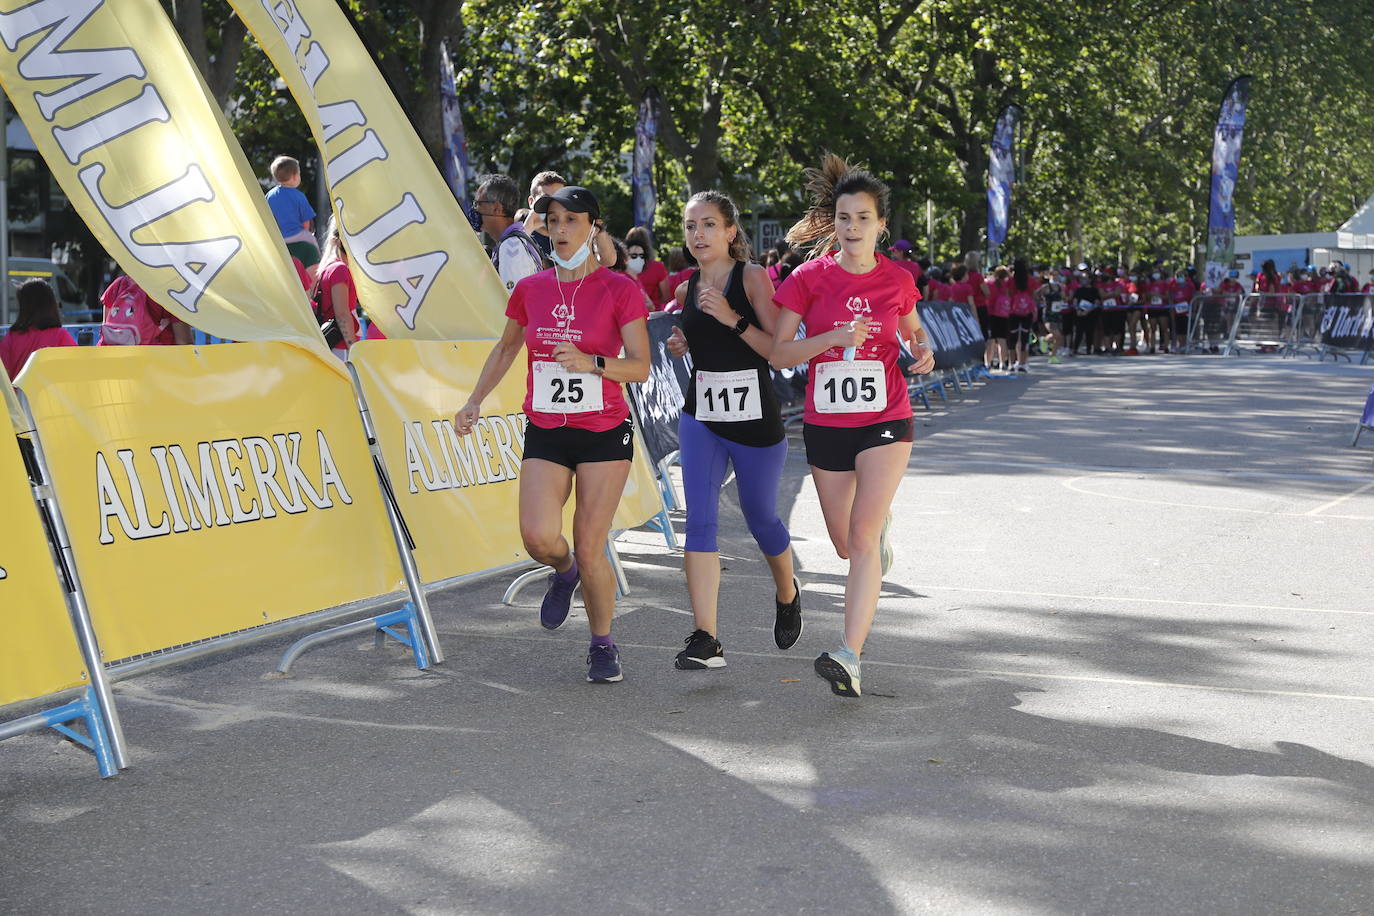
[(387, 624), (85, 710)]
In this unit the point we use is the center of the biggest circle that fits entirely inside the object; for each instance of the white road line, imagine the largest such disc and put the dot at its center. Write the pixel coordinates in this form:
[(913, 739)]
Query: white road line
[(1115, 597), (1340, 499), (995, 672), (1129, 469), (1070, 484)]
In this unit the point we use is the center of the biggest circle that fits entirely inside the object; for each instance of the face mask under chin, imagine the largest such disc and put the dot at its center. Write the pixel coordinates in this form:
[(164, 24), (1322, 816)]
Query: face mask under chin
[(577, 260)]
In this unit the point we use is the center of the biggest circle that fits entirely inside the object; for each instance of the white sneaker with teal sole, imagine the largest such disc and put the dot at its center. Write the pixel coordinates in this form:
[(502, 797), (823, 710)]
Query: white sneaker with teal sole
[(841, 669)]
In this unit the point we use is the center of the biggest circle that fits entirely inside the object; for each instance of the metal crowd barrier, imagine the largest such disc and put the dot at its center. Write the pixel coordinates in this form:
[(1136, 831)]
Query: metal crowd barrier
[(1210, 318), (1341, 336), (1306, 325), (1264, 321)]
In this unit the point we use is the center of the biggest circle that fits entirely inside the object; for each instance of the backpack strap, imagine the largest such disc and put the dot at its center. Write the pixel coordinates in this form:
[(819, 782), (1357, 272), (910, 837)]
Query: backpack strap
[(526, 240)]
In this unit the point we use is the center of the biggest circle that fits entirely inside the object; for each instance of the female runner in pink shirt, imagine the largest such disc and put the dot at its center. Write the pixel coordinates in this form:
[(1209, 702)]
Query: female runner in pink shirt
[(858, 306), (573, 321)]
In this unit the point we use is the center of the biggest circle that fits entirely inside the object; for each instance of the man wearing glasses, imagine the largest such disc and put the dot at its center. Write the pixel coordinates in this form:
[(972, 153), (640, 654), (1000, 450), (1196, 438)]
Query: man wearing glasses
[(515, 254)]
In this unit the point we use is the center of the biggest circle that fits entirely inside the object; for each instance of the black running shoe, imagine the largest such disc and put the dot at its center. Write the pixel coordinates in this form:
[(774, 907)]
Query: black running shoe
[(703, 651), (787, 627)]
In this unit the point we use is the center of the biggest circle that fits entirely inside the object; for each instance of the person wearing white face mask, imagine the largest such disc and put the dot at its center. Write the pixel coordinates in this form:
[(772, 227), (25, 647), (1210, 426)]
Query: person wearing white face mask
[(573, 320), (639, 248)]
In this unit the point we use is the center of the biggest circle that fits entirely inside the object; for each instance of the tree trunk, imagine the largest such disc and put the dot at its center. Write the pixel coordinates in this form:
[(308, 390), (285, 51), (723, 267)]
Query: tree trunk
[(221, 73)]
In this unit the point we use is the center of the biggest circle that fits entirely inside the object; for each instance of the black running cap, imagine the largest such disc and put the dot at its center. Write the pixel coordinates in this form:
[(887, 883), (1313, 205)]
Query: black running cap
[(574, 198)]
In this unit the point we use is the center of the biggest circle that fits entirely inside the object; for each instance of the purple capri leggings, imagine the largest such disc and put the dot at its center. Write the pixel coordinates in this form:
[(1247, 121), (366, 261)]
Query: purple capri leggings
[(705, 457)]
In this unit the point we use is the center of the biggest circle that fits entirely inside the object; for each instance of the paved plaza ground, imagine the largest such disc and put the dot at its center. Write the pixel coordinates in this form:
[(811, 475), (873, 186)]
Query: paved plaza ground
[(1124, 663)]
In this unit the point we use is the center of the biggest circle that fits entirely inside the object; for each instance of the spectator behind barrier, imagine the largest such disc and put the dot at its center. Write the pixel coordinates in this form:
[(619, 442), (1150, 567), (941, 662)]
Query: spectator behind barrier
[(640, 249), (133, 319), (336, 294), (295, 217), (515, 255), (678, 272), (39, 325)]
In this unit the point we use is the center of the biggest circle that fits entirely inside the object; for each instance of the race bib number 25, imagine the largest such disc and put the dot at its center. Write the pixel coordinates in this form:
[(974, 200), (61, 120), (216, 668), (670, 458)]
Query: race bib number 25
[(858, 386), (556, 390)]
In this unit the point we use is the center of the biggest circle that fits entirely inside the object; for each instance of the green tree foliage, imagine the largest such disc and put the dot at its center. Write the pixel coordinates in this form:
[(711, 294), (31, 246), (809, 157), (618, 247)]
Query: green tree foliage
[(1119, 100)]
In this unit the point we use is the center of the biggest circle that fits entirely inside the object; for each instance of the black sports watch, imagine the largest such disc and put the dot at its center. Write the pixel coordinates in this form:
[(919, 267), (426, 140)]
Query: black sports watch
[(600, 364), (741, 326)]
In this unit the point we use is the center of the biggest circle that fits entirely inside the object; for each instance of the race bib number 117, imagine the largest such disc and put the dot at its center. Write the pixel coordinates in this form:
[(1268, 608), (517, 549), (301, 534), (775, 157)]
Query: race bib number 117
[(728, 397)]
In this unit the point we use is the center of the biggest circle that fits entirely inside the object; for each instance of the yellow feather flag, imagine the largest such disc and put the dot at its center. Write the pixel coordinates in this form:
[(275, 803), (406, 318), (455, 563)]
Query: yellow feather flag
[(418, 266), (17, 419), (131, 133)]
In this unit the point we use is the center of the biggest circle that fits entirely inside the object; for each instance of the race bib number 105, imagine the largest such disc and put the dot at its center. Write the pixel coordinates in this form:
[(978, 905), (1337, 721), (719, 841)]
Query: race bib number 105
[(843, 386), (556, 390), (728, 397)]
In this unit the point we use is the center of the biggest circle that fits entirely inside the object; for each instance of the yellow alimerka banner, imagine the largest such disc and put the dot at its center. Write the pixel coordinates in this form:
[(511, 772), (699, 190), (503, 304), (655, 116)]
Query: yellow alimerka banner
[(209, 489), (642, 499), (417, 264), (38, 654), (460, 494), (120, 113)]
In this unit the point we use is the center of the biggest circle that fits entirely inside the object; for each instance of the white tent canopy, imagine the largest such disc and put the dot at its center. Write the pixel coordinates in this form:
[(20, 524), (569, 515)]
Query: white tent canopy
[(1362, 223)]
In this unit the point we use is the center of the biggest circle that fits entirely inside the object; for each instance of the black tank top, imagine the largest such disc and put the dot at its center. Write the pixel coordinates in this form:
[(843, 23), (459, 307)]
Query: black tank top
[(716, 348)]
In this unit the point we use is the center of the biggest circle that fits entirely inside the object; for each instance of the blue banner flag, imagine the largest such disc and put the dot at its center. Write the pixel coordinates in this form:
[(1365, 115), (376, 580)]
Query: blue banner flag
[(642, 166), (457, 170), (1001, 175), (1221, 215)]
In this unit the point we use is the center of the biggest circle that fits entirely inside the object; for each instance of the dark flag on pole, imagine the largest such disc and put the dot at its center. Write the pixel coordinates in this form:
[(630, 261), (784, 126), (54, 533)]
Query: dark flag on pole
[(1221, 215), (1001, 174), (457, 171), (642, 165)]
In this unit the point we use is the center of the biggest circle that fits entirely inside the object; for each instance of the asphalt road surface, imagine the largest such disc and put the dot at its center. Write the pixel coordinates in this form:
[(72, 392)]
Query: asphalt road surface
[(1122, 665)]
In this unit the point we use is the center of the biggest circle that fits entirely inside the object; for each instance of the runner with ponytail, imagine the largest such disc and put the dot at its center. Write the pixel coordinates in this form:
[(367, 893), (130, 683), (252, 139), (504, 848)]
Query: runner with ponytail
[(858, 307)]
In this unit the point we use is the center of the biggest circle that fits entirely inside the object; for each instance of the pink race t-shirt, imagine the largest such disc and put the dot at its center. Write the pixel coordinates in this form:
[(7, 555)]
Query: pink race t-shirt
[(998, 299), (827, 296), (650, 277), (959, 291), (1182, 290), (1155, 295), (17, 346), (975, 282), (586, 313), (334, 274), (1021, 301), (910, 267)]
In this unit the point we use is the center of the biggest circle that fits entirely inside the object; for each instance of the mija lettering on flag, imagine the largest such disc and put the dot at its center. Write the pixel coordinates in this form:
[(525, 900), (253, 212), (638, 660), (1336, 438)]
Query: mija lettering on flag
[(418, 266), (126, 125)]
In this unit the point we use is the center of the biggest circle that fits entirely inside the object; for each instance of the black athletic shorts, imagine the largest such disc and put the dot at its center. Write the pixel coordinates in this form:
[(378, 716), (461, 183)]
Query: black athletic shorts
[(1152, 314), (983, 322), (1019, 326), (835, 448), (569, 446), (998, 327)]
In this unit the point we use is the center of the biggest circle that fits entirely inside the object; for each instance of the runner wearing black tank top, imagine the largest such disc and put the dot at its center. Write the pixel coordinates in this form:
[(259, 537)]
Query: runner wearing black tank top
[(730, 416)]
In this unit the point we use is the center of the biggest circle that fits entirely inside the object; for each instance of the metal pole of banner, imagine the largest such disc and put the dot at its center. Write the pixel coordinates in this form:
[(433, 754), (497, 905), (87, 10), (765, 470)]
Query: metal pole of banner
[(1241, 306), (5, 209), (404, 545), (930, 229), (46, 494)]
